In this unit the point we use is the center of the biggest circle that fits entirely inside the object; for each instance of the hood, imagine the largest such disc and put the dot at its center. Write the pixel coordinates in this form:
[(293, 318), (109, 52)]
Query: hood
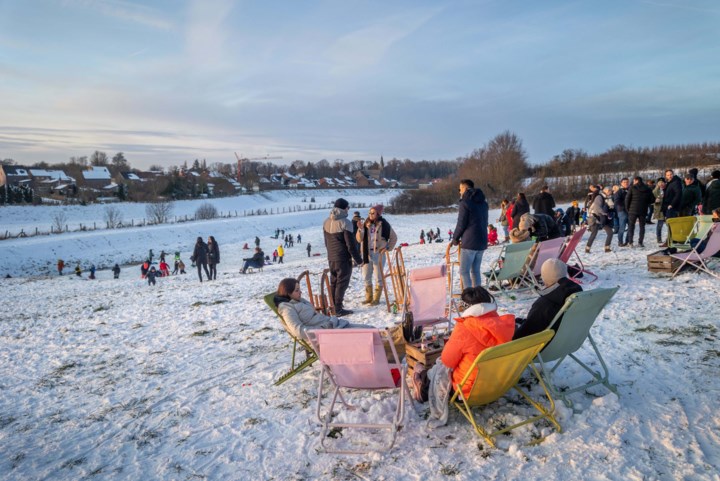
[(338, 213), (475, 196), (484, 324), (280, 299), (558, 292)]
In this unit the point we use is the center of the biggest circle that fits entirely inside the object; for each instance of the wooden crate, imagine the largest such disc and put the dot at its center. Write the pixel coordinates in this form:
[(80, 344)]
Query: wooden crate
[(414, 354), (659, 262)]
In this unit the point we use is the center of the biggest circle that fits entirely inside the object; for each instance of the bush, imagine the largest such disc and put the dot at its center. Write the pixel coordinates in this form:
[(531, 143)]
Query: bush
[(159, 212), (206, 211)]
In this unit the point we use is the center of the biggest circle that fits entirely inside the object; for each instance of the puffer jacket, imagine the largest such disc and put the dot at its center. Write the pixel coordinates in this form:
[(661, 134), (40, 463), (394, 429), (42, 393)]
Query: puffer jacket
[(541, 226), (712, 196), (546, 307), (638, 198), (338, 233), (471, 227), (691, 197), (673, 195), (479, 327), (300, 317), (200, 253), (375, 237), (544, 204)]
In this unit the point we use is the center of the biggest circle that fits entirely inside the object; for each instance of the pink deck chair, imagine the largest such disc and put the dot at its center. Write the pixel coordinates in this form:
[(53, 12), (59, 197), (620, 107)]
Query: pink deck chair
[(427, 296), (699, 260), (549, 249), (567, 253), (356, 359)]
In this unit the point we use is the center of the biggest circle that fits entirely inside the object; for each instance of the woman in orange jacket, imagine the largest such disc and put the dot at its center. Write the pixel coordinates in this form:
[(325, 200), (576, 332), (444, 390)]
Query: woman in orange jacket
[(479, 327)]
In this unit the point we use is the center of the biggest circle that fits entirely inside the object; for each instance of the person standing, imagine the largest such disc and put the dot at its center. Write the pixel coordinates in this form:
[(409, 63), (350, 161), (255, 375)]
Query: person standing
[(636, 203), (92, 271), (60, 266), (280, 253), (200, 257), (672, 197), (573, 213), (471, 232), (621, 212), (691, 196), (374, 235), (257, 241), (213, 257), (342, 250), (308, 248), (598, 219), (544, 203), (116, 271), (520, 207), (711, 199), (658, 215), (651, 208), (502, 220), (152, 273)]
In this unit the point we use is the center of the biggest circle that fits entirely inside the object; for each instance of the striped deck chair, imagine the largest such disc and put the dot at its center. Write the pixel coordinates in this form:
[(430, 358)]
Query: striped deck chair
[(512, 270), (498, 370), (680, 230), (578, 315), (310, 356), (356, 359), (700, 260), (569, 251), (549, 249)]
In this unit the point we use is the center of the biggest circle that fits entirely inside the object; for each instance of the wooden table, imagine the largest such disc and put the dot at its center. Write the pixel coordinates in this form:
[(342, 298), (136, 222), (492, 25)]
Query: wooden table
[(414, 354)]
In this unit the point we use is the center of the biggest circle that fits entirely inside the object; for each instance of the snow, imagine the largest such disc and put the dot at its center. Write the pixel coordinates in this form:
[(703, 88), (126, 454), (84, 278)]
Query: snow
[(113, 379)]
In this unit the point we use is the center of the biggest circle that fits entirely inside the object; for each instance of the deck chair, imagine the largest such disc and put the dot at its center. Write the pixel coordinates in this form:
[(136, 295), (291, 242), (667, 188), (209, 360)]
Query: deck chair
[(700, 260), (356, 359), (310, 356), (703, 224), (578, 315), (549, 249), (569, 251), (426, 296), (452, 264), (512, 266), (680, 231), (498, 370)]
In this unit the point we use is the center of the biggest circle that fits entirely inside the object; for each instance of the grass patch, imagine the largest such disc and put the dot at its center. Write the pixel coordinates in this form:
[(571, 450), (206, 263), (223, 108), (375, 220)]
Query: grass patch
[(709, 355), (101, 308), (202, 333), (211, 303), (450, 469), (254, 421)]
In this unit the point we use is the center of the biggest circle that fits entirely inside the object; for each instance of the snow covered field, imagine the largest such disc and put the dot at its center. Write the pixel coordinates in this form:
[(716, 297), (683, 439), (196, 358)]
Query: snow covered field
[(112, 379)]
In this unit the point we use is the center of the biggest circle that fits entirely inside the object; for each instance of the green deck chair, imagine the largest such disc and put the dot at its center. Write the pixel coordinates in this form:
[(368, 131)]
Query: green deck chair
[(702, 226), (512, 266), (498, 370), (311, 356), (680, 230), (578, 316)]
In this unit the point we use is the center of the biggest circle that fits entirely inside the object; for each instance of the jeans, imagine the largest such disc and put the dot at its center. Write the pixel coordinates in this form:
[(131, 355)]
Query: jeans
[(470, 261), (370, 267), (648, 217), (622, 225), (658, 229), (631, 228)]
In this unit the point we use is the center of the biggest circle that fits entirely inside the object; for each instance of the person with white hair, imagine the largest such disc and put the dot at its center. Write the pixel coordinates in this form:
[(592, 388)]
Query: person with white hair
[(552, 297)]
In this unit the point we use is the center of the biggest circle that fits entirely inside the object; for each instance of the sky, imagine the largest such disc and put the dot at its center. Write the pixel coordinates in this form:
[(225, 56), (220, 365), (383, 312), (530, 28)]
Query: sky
[(170, 81)]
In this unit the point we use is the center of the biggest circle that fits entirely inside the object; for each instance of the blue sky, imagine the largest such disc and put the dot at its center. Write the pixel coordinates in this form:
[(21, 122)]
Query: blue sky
[(169, 81)]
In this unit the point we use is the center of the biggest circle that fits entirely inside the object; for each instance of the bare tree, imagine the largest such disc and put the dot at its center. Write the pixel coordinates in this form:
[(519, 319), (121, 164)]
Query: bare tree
[(206, 211), (98, 158), (113, 217), (59, 220), (158, 212)]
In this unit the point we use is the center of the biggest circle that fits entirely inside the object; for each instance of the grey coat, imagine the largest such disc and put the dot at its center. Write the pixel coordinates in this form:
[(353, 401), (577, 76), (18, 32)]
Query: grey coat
[(300, 317)]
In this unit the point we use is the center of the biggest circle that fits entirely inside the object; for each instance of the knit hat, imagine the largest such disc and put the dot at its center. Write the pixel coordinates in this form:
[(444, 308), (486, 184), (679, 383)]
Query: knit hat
[(517, 235), (341, 203), (552, 270), (378, 208), (526, 222)]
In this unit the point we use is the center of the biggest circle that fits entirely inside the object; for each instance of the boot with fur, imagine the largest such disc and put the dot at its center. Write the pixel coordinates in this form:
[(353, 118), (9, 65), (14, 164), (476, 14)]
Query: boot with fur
[(376, 296), (368, 295)]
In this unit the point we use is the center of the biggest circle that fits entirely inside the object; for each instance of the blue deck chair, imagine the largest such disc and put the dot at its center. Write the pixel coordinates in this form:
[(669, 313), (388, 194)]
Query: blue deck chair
[(578, 316), (512, 267)]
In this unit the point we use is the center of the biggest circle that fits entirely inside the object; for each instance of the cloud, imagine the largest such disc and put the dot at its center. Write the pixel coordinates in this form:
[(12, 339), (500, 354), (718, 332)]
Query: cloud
[(126, 11), (206, 34)]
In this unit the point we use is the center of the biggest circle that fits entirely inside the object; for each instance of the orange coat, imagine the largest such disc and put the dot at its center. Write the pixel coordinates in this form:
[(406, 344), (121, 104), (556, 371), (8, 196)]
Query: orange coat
[(479, 328)]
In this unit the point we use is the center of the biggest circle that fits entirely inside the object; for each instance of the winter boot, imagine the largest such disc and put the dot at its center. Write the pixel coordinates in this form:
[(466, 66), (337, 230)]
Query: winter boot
[(376, 296), (368, 295)]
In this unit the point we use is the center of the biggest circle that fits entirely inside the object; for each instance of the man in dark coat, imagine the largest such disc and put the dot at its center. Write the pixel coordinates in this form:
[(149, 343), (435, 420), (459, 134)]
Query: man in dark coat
[(543, 203), (673, 195), (342, 250), (691, 196), (638, 198), (711, 200), (200, 257), (471, 232), (257, 260), (552, 297), (541, 226)]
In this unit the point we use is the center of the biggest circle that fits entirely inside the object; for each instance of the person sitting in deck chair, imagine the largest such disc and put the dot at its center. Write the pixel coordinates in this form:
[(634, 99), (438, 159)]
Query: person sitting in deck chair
[(541, 226), (300, 315), (552, 297), (257, 260)]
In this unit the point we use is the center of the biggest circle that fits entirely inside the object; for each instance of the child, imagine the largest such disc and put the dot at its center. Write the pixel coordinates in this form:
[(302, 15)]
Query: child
[(92, 271), (181, 266), (116, 271), (151, 276), (492, 235), (78, 271), (164, 269), (144, 269)]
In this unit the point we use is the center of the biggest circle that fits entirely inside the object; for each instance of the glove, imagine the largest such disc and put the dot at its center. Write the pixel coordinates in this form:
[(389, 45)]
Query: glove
[(455, 242)]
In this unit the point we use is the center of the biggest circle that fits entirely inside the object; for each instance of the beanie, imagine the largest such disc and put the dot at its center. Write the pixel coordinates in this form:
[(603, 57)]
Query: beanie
[(379, 209), (552, 270), (341, 203)]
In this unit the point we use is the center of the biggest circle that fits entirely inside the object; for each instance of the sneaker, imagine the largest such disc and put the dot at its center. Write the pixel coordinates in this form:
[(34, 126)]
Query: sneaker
[(624, 244), (417, 381), (640, 244), (608, 249), (343, 312)]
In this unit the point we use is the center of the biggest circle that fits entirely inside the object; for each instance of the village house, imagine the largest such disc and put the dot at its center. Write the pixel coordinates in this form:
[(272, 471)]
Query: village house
[(14, 175), (97, 177)]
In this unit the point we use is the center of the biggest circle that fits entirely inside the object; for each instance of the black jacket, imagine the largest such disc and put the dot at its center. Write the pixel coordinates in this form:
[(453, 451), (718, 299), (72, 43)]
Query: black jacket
[(214, 253), (712, 196), (673, 194), (544, 227), (258, 258), (200, 253), (638, 198), (519, 208), (564, 223), (619, 198), (574, 214), (545, 308), (543, 203), (339, 241), (472, 222)]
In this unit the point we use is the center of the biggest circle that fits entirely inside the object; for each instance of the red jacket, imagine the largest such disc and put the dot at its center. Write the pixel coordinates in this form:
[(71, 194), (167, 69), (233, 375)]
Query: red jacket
[(479, 328), (508, 213), (492, 237)]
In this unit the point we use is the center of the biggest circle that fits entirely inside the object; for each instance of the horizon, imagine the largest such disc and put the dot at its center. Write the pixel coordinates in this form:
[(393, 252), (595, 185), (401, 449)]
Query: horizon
[(166, 84)]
